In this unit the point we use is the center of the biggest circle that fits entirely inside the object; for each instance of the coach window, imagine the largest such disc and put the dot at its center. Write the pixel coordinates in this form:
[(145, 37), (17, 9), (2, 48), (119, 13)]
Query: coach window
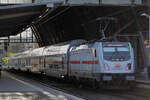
[(94, 52), (25, 61), (62, 62), (19, 62), (39, 60), (55, 66), (50, 66), (29, 61)]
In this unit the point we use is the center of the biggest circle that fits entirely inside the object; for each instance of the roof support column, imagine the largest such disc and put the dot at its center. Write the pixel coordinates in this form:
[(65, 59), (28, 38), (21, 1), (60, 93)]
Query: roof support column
[(141, 38)]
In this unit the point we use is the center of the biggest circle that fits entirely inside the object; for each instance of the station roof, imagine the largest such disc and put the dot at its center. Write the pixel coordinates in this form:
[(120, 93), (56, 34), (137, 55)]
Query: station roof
[(65, 23), (15, 18)]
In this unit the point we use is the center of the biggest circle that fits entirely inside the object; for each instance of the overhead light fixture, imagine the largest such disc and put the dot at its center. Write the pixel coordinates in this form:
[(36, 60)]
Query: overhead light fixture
[(47, 10), (144, 14), (148, 16), (40, 16)]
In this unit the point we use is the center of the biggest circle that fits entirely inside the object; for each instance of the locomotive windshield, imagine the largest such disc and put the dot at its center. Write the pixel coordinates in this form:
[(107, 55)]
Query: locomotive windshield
[(116, 53)]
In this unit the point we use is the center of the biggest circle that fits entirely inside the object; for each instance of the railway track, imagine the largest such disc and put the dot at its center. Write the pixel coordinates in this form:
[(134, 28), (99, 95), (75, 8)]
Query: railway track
[(45, 81), (85, 92), (143, 82)]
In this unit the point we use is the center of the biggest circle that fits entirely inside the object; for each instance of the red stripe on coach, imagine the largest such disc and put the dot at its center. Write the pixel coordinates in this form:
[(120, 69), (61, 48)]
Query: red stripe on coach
[(74, 62), (90, 62)]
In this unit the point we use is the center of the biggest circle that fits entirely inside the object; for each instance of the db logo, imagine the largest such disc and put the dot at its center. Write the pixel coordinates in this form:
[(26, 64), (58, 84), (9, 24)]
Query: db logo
[(117, 65)]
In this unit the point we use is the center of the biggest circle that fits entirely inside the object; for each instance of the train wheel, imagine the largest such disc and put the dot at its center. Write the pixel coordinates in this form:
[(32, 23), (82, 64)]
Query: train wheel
[(132, 84), (76, 82), (42, 73), (80, 83), (28, 71), (95, 84)]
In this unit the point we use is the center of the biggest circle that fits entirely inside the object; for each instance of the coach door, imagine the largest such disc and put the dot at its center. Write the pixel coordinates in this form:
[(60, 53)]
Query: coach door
[(74, 63), (42, 65), (87, 62)]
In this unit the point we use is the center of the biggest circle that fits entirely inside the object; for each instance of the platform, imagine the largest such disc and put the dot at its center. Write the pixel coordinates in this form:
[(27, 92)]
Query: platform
[(12, 88)]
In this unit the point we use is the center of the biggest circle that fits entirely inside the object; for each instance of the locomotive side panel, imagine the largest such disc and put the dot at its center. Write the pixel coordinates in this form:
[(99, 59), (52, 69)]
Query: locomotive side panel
[(82, 63), (74, 64)]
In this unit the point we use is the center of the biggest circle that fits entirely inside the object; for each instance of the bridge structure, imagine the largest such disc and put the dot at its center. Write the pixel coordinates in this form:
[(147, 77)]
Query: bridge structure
[(59, 21)]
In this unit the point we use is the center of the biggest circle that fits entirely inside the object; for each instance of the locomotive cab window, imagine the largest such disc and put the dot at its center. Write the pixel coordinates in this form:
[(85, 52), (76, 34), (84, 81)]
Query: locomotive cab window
[(94, 52), (116, 53), (109, 49), (123, 49)]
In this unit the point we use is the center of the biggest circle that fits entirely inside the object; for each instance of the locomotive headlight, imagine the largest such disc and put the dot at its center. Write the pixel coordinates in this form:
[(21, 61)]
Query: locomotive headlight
[(128, 67), (106, 67)]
